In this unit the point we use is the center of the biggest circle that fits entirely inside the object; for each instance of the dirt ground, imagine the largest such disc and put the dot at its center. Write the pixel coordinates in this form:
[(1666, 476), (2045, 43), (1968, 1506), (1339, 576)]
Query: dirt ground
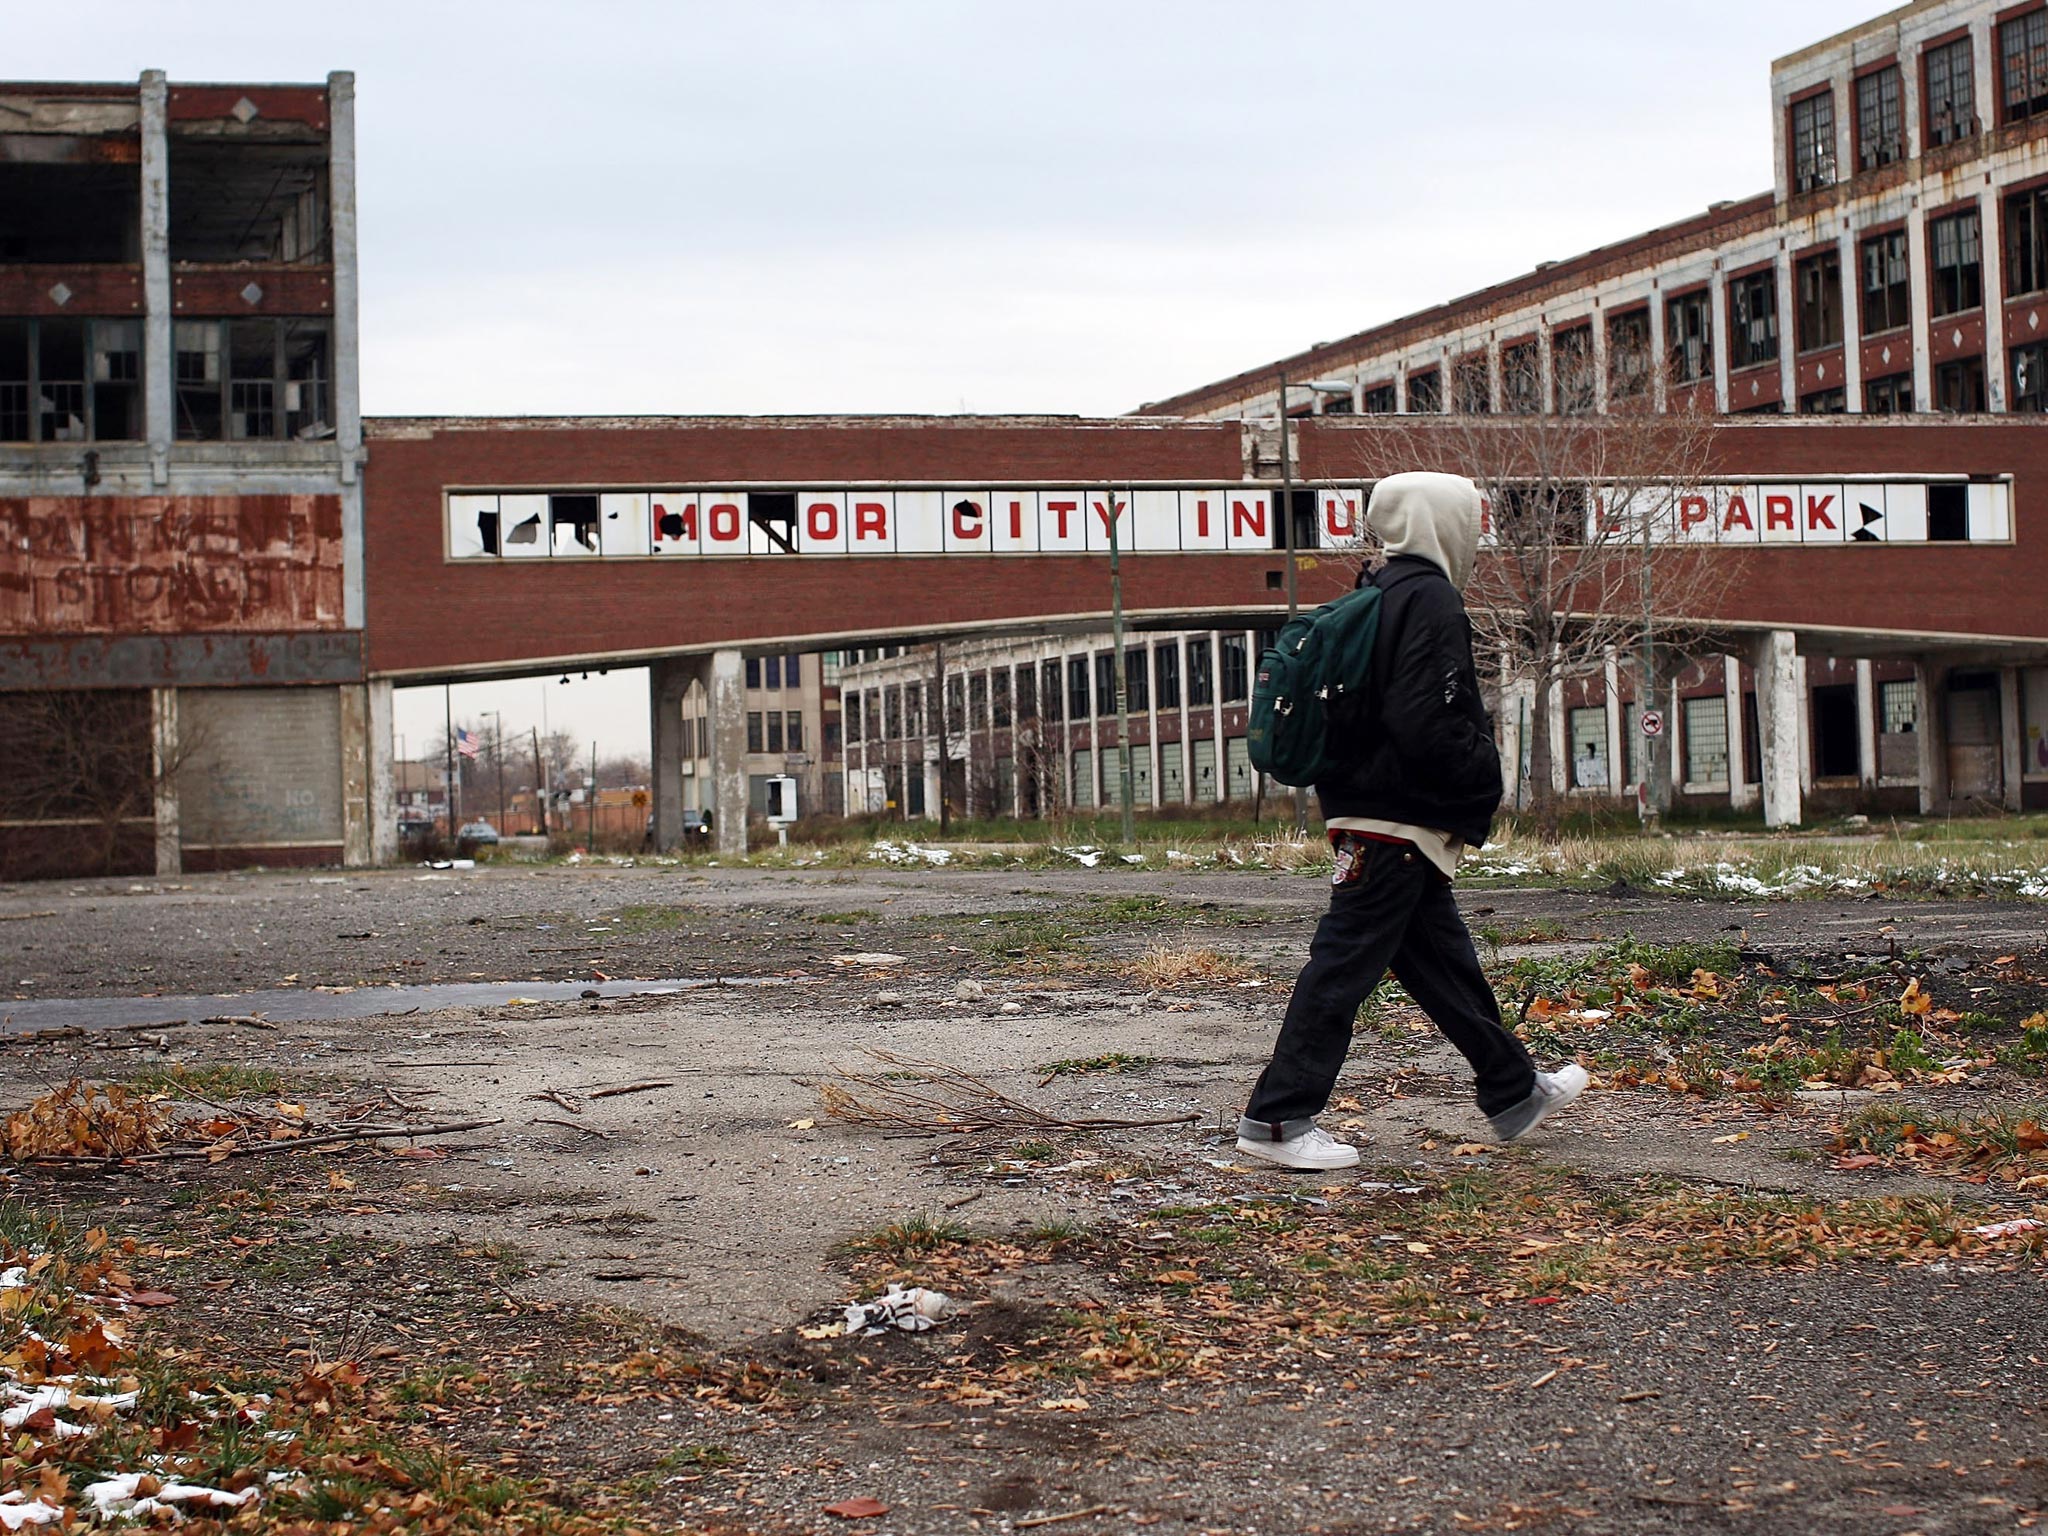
[(1697, 1303)]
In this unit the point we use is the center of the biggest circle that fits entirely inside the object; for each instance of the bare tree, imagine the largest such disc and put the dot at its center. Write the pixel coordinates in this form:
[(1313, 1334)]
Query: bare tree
[(84, 771), (1584, 554)]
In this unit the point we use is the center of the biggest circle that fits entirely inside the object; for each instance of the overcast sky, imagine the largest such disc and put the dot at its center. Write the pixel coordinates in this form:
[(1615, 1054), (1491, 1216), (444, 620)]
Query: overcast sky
[(883, 205)]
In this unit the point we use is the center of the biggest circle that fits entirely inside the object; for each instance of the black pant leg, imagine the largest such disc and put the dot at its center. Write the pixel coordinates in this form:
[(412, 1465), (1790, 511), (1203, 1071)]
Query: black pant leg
[(1353, 944), (1438, 965)]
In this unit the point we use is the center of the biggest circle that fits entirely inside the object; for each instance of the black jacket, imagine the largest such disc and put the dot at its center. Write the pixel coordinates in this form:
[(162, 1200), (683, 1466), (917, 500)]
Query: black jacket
[(1418, 748)]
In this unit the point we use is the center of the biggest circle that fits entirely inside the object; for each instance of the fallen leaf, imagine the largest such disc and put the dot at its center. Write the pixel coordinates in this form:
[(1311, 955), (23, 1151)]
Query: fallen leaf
[(336, 1179), (862, 1508), (1913, 1000), (1722, 1141), (1064, 1404), (1470, 1149), (1420, 1248), (803, 1125), (822, 1331), (149, 1298)]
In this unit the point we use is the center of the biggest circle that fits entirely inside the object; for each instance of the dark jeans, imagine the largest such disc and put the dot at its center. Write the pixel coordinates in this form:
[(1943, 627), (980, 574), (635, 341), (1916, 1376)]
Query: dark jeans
[(1398, 913)]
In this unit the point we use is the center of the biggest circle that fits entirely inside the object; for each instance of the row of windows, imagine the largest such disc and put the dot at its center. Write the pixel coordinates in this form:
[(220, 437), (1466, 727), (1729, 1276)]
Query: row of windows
[(1955, 264), (775, 671), (772, 730), (1061, 689), (77, 381), (1948, 98)]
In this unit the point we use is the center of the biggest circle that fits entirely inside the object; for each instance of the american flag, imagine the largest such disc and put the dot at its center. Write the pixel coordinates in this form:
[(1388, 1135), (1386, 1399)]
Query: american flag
[(466, 743)]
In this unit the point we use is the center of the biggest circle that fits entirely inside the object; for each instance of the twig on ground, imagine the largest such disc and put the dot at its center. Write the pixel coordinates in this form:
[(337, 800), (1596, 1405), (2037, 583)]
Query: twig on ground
[(223, 1150), (1077, 1514), (613, 1093), (246, 1020), (951, 1100), (79, 1031), (554, 1096), (571, 1125)]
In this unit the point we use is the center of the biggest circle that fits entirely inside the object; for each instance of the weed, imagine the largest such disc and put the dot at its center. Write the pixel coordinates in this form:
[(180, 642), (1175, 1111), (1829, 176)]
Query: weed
[(915, 1234), (1057, 1231), (1114, 1061), (215, 1080), (1178, 966), (1036, 1151), (858, 915)]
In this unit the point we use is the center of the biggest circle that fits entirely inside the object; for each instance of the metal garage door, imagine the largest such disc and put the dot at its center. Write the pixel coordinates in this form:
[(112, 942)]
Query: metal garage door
[(263, 767)]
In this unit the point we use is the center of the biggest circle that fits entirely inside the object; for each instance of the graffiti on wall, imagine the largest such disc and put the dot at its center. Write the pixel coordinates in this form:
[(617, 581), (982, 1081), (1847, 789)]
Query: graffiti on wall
[(93, 565)]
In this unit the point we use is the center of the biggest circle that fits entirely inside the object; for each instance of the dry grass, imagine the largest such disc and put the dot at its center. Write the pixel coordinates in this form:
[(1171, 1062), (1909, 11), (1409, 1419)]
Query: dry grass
[(1165, 965)]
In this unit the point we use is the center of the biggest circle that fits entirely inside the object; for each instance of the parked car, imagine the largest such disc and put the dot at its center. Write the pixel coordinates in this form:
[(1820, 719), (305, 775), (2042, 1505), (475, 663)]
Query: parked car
[(477, 833)]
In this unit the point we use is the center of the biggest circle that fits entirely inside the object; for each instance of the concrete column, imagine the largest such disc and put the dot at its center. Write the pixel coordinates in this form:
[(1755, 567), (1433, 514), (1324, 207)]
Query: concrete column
[(1916, 257), (1805, 718), (2012, 751), (1187, 741), (725, 687), (1599, 362), (158, 420), (356, 836), (1777, 664), (1560, 739), (1788, 333), (1546, 370), (1660, 352), (1617, 765), (1731, 696), (1400, 408), (1717, 303), (668, 679), (348, 410), (1930, 726), (163, 721), (1852, 321), (1991, 247), (1152, 724), (1866, 725), (1214, 640), (383, 791)]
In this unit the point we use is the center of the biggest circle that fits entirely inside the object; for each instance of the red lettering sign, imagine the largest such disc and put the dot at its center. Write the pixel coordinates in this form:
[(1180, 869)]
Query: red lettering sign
[(1061, 509), (722, 522), (966, 520), (1106, 517), (870, 520), (1737, 515), (1817, 511), (1248, 518), (1778, 512), (1348, 507), (821, 522), (1016, 520), (1201, 517), (1692, 511)]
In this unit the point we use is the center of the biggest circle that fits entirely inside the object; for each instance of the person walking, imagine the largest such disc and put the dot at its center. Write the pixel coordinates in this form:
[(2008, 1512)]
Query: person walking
[(1414, 780)]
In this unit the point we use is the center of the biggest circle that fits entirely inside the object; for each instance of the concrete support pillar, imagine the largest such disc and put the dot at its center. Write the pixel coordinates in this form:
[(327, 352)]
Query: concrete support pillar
[(1992, 248), (1599, 320), (1214, 640), (1923, 366), (356, 811), (383, 788), (1805, 718), (163, 723), (2012, 752), (1717, 303), (1788, 334), (1866, 725), (667, 681), (725, 707), (1852, 318), (1560, 738), (1739, 789), (157, 416), (1187, 739), (1777, 665), (1930, 727), (1617, 765), (348, 410), (1660, 352)]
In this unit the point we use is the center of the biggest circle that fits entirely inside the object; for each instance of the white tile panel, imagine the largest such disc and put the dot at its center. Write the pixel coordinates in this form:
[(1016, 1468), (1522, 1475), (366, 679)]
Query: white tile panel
[(1155, 520), (622, 523), (821, 522), (1905, 514), (1821, 516), (920, 522), (969, 528), (465, 528), (871, 527), (1102, 506), (1781, 513), (1013, 521), (1990, 514), (523, 526), (1062, 521), (1250, 520), (723, 523), (1203, 518), (675, 523)]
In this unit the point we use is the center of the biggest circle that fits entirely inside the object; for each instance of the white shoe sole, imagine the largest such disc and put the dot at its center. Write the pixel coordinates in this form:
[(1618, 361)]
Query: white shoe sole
[(1275, 1152), (1568, 1094)]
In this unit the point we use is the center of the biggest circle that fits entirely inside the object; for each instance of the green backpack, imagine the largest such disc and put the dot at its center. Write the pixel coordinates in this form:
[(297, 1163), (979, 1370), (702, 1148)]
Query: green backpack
[(1304, 676)]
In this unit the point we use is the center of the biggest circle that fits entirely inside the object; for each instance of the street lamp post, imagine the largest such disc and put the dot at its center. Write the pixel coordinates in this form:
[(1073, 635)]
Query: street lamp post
[(498, 754)]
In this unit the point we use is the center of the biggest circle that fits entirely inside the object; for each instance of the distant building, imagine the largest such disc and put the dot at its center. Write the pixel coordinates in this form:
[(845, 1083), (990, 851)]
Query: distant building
[(793, 731)]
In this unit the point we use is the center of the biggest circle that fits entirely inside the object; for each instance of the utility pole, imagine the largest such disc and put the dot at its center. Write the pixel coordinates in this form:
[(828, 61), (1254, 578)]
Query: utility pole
[(1126, 781), (1650, 805), (498, 757), (540, 788), (593, 798), (1293, 597), (939, 709), (448, 736)]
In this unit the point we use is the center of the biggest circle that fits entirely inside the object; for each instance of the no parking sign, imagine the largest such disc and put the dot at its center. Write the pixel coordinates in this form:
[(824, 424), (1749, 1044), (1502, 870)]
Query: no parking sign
[(1653, 723)]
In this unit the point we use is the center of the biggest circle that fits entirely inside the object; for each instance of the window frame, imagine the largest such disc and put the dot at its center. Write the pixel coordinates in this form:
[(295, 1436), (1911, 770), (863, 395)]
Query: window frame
[(1968, 280), (1820, 258), (1632, 383), (279, 384), (1742, 286), (1521, 377), (2026, 206), (1810, 146), (1472, 384), (2030, 28), (1692, 303), (1939, 130), (1586, 398), (1432, 380), (1886, 145), (30, 386), (1902, 286), (2028, 396)]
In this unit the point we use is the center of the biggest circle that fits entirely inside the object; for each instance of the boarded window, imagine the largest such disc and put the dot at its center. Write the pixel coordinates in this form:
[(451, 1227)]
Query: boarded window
[(1589, 748), (1706, 741)]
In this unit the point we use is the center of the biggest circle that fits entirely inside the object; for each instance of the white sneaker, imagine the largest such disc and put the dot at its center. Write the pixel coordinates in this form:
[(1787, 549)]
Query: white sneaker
[(1553, 1091), (1314, 1148)]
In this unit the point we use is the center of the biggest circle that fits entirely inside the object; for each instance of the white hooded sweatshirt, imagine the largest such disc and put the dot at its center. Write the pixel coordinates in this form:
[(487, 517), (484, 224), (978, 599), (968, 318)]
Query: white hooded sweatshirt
[(1436, 517)]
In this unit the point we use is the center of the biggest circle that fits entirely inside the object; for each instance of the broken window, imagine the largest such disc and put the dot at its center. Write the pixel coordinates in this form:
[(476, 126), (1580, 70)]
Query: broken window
[(1425, 393), (1027, 694), (1137, 677), (1753, 319), (234, 201), (1236, 670), (774, 723), (1689, 336), (573, 521), (1380, 400), (1819, 281), (753, 671), (1049, 690), (1813, 142), (1571, 369), (1959, 385), (1824, 402), (1628, 355), (2030, 377), (1166, 675), (796, 730), (1706, 740), (977, 701), (1105, 683), (1950, 102), (2023, 65), (1521, 379), (2026, 241), (849, 709), (70, 381), (1201, 671), (956, 706), (66, 214), (771, 517), (252, 379), (1880, 118), (913, 709), (999, 697), (754, 731), (1471, 385), (1889, 396), (1077, 688), (1898, 703), (1958, 259), (1948, 513), (1887, 283)]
